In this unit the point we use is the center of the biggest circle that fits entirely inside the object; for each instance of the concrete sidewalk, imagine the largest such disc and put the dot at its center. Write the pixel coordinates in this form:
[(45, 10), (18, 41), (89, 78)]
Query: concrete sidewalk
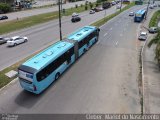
[(151, 79), (27, 13)]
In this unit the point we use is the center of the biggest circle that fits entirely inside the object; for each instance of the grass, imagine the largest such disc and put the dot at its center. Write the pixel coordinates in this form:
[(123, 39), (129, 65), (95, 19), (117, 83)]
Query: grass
[(154, 22), (155, 18), (4, 80), (104, 20), (26, 22), (34, 20)]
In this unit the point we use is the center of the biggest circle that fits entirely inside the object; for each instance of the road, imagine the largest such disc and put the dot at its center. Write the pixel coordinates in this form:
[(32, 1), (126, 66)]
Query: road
[(27, 13), (104, 80), (41, 36)]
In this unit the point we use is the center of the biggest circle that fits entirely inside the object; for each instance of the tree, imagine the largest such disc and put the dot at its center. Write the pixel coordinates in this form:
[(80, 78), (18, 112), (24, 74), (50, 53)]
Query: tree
[(76, 6), (4, 7), (91, 5), (86, 7), (157, 53)]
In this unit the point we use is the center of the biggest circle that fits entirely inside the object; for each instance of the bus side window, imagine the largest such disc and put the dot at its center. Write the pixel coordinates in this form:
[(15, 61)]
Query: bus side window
[(68, 56)]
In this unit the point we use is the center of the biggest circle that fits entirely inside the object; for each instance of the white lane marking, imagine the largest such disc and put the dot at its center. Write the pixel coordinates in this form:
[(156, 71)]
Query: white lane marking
[(121, 35), (116, 43), (105, 34), (111, 28)]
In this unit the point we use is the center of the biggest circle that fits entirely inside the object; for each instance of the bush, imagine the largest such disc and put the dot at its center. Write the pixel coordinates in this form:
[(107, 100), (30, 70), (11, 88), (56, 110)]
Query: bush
[(4, 7), (91, 5), (86, 7), (100, 1), (76, 6), (155, 18)]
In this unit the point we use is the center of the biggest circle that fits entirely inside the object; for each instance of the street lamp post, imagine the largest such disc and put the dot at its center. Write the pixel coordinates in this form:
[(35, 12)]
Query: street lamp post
[(104, 15), (121, 5), (147, 9), (60, 31)]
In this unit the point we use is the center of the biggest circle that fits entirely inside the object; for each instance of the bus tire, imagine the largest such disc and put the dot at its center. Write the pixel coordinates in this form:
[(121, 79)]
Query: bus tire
[(57, 76), (96, 39), (84, 50)]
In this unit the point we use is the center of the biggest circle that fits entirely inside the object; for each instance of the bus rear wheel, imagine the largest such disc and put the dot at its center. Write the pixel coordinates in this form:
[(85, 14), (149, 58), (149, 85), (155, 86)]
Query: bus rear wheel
[(84, 50), (57, 76)]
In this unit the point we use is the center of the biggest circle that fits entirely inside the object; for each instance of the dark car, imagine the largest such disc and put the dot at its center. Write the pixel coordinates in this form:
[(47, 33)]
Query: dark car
[(3, 17), (76, 19), (3, 40), (96, 9)]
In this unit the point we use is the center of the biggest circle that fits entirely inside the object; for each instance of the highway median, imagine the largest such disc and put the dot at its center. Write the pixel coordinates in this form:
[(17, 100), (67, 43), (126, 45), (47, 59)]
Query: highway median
[(21, 23)]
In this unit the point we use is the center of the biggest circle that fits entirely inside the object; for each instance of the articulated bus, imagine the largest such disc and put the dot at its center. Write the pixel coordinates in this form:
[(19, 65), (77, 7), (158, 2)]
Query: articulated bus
[(139, 15), (37, 73)]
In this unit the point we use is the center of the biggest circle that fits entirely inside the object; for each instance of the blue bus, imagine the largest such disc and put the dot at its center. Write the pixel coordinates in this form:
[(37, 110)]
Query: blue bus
[(139, 15), (37, 73), (84, 38)]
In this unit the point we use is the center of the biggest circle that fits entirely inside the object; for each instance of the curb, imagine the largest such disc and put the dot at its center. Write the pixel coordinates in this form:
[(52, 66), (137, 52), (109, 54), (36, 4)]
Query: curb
[(142, 63)]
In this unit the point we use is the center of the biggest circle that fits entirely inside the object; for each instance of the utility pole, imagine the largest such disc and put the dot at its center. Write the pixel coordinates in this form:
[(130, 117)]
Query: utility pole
[(60, 31), (61, 6), (147, 9), (121, 5), (104, 15)]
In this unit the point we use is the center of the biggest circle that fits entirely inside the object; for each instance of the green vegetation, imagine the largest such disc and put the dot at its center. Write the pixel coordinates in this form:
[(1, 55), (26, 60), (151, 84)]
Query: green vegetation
[(4, 8), (155, 18), (4, 80), (26, 22), (104, 20), (34, 20), (154, 22)]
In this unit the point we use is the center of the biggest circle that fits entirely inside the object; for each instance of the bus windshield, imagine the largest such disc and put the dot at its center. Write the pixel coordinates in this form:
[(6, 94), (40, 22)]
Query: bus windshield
[(138, 15)]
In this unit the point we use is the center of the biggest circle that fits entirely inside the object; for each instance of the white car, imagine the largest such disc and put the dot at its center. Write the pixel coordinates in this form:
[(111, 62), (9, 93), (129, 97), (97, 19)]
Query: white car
[(151, 6), (154, 5), (131, 14), (75, 15), (16, 40), (143, 36), (118, 7), (91, 12)]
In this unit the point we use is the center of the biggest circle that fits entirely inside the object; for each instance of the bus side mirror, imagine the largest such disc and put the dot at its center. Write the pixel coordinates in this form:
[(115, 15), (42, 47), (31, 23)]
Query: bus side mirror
[(98, 30)]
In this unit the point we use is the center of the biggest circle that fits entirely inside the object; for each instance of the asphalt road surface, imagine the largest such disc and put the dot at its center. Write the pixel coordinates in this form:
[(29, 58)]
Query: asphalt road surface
[(42, 35), (104, 80)]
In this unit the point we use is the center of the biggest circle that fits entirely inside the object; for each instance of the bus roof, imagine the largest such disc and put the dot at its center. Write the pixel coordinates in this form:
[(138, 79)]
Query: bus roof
[(141, 12), (81, 33), (49, 54)]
